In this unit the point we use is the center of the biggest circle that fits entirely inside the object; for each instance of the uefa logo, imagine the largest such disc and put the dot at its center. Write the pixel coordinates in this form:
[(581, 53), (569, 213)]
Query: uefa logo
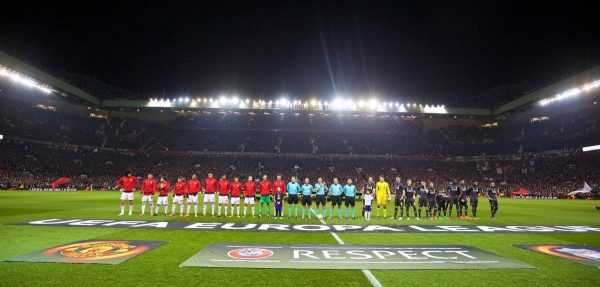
[(250, 253)]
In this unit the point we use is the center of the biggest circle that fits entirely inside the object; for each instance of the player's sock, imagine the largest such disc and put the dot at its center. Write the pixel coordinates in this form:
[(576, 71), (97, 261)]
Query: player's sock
[(324, 211), (157, 208), (268, 209), (346, 211), (143, 207), (289, 211), (296, 210), (245, 210), (195, 209), (303, 211), (232, 210), (173, 208), (419, 213), (353, 213), (212, 209), (122, 208), (237, 209), (395, 211), (252, 210), (225, 207), (219, 210), (180, 209), (188, 208), (151, 207), (130, 208), (384, 213), (260, 209)]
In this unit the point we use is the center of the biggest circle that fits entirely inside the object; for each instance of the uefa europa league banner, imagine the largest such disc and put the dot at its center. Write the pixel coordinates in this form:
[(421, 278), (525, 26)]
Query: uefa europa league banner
[(299, 256), (91, 251)]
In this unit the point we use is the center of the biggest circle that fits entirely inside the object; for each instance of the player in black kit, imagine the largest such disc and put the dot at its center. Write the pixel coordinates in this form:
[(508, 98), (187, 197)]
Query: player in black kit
[(492, 194), (454, 191), (442, 200), (463, 206), (422, 191), (474, 197), (398, 198), (409, 194), (431, 201)]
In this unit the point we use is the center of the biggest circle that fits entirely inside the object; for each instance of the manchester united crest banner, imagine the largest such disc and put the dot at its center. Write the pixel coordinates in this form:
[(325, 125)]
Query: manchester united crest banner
[(91, 251)]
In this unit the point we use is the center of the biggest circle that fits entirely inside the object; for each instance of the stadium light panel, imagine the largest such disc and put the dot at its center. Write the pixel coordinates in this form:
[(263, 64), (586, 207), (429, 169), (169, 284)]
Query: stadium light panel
[(591, 148)]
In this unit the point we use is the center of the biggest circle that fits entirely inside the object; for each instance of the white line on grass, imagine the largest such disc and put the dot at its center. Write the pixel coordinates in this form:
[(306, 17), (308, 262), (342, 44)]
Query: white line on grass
[(367, 273)]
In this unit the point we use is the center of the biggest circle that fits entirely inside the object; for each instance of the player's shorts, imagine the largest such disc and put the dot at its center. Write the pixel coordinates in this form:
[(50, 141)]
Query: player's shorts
[(306, 200), (292, 199), (382, 200), (409, 202), (350, 201), (147, 198), (192, 198), (422, 202), (367, 208), (432, 202), (209, 197), (178, 199), (223, 199), (249, 200), (126, 195), (474, 201), (336, 200), (398, 201), (235, 200), (265, 199), (320, 200), (454, 200), (164, 200)]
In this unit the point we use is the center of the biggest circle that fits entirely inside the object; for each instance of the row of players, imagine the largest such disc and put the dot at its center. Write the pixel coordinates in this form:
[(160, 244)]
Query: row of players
[(436, 203)]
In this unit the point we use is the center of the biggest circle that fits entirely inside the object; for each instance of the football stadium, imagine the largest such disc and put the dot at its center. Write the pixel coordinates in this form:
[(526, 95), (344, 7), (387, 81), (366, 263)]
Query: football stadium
[(299, 143)]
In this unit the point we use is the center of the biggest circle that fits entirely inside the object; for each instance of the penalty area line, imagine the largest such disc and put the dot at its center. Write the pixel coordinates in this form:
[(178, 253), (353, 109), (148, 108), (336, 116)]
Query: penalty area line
[(366, 272)]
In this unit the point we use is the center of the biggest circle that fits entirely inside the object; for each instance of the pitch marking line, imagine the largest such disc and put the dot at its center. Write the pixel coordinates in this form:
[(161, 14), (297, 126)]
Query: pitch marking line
[(367, 273)]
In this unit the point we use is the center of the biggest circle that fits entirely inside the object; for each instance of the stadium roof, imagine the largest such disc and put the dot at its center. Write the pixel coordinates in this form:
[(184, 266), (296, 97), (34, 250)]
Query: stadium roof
[(572, 86)]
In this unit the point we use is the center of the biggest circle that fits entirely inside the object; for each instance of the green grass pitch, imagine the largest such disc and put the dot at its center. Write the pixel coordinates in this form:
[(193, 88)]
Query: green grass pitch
[(159, 267)]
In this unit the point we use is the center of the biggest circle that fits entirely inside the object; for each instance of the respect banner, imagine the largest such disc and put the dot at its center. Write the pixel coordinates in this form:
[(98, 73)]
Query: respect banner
[(300, 256), (91, 251)]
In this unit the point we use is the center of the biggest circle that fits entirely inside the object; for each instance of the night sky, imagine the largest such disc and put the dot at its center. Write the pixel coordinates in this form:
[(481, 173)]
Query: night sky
[(435, 51)]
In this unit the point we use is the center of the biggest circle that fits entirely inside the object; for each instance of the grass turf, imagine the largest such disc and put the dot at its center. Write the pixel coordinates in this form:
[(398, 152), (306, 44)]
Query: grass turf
[(160, 266)]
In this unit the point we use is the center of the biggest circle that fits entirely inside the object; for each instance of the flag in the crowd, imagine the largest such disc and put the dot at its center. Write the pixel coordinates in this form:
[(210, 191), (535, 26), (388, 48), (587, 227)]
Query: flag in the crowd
[(60, 181), (586, 189)]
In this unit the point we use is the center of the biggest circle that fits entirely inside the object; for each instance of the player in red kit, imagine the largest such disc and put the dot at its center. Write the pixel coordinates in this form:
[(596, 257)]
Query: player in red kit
[(148, 189), (278, 184), (210, 187), (193, 188), (163, 195), (236, 192), (179, 192), (249, 192), (127, 186), (223, 187), (265, 188)]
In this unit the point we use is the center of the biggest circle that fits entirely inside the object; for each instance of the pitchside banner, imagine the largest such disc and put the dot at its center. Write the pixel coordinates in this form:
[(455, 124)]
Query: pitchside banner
[(272, 227), (348, 257), (584, 254), (91, 251)]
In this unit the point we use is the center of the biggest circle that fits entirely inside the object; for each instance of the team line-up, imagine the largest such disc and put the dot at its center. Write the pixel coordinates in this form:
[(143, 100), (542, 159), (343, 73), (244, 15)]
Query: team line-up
[(224, 193)]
